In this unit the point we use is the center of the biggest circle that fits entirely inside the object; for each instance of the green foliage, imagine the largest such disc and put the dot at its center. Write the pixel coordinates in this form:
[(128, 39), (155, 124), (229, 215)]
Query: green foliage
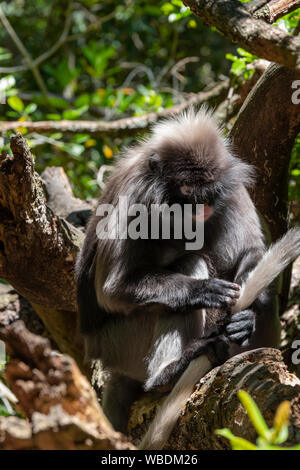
[(269, 438), (120, 59), (294, 186), (240, 63)]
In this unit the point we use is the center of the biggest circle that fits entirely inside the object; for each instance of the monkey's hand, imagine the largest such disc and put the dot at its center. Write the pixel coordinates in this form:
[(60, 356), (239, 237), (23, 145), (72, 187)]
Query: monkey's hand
[(214, 293), (240, 327)]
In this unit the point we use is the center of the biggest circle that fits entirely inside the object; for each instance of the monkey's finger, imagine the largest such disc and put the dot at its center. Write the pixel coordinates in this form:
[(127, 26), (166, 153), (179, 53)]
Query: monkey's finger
[(226, 292), (246, 325), (223, 288), (218, 301), (227, 284), (240, 316), (238, 337)]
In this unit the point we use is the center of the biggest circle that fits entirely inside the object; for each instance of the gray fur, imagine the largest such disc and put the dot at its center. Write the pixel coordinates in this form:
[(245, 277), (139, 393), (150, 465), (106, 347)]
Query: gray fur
[(148, 308)]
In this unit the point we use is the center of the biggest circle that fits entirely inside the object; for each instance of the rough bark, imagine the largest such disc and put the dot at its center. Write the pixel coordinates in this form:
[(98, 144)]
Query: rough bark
[(276, 9), (36, 245), (267, 144), (214, 403), (29, 229), (61, 406), (233, 20), (61, 200), (14, 307), (63, 413), (263, 135)]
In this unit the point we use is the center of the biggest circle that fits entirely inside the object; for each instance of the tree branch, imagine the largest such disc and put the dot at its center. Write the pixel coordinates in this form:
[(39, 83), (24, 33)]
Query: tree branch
[(275, 9), (255, 5), (24, 52), (233, 20), (60, 404), (125, 126), (46, 55), (37, 248), (275, 124), (64, 37), (214, 403)]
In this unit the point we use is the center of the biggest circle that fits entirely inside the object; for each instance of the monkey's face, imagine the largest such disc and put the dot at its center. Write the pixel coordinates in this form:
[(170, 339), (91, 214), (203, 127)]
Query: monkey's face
[(191, 179)]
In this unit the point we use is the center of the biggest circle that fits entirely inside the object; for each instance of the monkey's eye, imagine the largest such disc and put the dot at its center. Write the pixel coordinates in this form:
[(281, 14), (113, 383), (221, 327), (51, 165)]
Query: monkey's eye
[(154, 162)]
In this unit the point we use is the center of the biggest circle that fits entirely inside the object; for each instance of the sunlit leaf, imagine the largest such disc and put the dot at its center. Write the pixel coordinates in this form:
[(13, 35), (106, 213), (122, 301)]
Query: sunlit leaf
[(237, 443), (254, 414), (16, 103)]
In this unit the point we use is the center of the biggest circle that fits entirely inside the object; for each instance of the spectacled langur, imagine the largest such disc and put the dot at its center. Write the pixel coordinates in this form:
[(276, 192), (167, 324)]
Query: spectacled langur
[(157, 313)]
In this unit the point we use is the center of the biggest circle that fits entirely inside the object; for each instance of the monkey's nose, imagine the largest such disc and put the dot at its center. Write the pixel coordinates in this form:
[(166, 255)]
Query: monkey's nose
[(186, 190)]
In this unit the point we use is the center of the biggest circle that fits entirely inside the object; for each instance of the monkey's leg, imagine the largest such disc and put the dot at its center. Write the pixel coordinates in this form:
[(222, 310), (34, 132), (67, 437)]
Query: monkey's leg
[(215, 349), (118, 395)]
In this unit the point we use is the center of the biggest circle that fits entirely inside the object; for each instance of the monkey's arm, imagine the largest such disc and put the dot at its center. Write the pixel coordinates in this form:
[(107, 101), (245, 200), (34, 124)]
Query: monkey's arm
[(146, 286)]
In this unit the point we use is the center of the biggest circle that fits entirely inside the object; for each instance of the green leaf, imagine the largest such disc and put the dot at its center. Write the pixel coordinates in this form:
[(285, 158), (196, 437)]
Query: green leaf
[(254, 414), (30, 108), (237, 443), (73, 149), (74, 113), (16, 103), (53, 117)]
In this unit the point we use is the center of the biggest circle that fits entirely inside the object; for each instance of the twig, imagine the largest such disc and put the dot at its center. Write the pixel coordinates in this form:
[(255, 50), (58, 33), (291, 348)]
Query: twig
[(92, 27), (125, 126), (234, 21), (24, 52), (46, 55), (275, 9), (255, 5)]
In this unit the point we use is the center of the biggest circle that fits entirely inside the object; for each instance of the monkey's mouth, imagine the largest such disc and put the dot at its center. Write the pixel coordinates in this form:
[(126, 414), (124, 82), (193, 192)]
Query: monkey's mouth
[(203, 214)]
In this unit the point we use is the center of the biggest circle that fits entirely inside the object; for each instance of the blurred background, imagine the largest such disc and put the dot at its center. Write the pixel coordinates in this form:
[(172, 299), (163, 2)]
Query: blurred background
[(94, 60)]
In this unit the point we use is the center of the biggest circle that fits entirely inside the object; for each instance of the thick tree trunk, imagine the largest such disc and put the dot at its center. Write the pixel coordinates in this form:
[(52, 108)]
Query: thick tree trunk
[(214, 403), (263, 135), (37, 248)]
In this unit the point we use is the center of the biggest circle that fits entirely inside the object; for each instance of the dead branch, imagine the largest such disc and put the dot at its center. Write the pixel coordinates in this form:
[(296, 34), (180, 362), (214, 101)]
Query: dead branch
[(61, 200), (61, 406), (275, 9), (214, 403), (120, 127), (37, 248), (234, 21)]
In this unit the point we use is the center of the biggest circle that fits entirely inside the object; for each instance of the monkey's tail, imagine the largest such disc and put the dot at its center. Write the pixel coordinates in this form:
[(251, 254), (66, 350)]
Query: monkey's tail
[(275, 260), (165, 420)]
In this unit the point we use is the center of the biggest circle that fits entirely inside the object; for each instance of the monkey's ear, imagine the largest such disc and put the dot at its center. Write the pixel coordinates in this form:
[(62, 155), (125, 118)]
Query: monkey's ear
[(154, 162)]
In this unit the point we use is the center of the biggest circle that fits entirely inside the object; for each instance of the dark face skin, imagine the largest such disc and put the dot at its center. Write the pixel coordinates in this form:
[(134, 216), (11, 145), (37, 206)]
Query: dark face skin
[(190, 182)]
